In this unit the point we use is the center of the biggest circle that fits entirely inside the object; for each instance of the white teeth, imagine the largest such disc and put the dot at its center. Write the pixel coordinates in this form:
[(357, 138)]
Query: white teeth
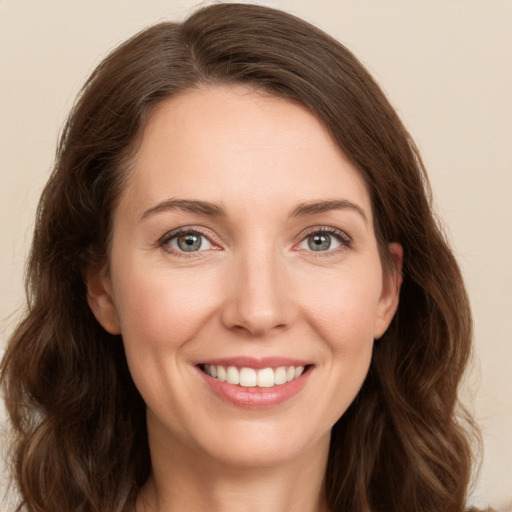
[(266, 378), (249, 377), (280, 375), (221, 373), (232, 375)]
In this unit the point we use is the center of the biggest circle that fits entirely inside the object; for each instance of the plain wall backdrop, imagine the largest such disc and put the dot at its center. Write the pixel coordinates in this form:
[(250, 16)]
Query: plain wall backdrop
[(446, 65)]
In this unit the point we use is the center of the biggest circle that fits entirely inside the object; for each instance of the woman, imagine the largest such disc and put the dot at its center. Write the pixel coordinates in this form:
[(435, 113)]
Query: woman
[(237, 289)]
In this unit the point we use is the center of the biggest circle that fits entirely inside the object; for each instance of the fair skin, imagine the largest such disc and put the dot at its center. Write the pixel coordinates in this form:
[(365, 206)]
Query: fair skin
[(243, 238)]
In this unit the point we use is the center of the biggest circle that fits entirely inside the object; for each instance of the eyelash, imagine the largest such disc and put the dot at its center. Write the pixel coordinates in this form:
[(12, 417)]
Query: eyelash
[(342, 237), (168, 237)]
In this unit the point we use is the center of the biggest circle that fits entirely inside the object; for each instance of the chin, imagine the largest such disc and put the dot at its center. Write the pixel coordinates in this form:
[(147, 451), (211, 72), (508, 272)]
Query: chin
[(257, 445)]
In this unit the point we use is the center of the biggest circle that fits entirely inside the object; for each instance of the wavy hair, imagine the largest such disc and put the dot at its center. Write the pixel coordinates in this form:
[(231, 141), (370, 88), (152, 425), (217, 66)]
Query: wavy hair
[(80, 439)]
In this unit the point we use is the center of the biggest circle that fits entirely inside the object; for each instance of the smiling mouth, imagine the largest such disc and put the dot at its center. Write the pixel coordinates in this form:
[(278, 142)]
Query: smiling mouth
[(251, 377)]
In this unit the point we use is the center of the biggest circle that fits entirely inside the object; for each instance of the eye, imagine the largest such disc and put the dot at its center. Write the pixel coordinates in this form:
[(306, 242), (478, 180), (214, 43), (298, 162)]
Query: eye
[(186, 241), (325, 240)]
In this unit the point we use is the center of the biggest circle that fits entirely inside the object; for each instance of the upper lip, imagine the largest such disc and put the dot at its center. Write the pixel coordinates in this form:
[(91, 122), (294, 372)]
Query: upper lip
[(256, 363)]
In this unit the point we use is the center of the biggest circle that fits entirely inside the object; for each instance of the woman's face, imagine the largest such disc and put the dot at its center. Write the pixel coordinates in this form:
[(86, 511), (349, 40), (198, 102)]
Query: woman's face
[(243, 250)]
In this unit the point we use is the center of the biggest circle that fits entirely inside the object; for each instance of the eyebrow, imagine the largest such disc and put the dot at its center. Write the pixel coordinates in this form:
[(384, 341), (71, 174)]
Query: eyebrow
[(186, 205), (315, 207), (216, 210)]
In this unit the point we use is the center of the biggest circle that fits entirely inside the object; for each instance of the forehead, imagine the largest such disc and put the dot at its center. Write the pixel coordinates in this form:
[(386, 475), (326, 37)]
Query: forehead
[(232, 144)]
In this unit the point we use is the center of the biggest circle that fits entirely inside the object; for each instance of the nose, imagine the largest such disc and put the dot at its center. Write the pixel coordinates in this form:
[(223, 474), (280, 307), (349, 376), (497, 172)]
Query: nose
[(258, 298)]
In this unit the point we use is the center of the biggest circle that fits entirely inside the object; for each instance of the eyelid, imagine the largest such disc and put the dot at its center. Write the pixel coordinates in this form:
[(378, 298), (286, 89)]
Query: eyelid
[(164, 240), (340, 235), (344, 239)]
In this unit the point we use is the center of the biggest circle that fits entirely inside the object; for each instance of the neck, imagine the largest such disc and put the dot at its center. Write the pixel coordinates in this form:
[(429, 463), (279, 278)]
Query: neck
[(192, 482)]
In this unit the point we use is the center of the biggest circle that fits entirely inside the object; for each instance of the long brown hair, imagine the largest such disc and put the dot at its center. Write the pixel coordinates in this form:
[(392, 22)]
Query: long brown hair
[(78, 420)]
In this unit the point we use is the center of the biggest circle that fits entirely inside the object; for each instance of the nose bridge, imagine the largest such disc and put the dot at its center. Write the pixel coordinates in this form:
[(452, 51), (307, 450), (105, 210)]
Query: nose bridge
[(258, 301)]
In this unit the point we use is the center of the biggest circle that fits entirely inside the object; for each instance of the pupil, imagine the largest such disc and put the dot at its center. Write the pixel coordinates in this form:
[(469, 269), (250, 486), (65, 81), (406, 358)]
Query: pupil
[(189, 242), (319, 242)]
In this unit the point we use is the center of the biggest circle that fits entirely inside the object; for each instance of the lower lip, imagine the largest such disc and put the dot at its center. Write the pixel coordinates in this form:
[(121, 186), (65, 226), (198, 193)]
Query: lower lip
[(254, 397)]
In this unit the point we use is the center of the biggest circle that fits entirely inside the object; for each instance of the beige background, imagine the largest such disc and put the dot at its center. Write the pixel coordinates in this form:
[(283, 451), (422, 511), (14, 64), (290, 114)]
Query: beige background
[(445, 64)]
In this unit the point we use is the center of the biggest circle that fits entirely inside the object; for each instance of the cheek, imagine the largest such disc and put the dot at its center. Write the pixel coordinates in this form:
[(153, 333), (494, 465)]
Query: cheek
[(343, 315), (159, 315), (343, 309), (160, 310)]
